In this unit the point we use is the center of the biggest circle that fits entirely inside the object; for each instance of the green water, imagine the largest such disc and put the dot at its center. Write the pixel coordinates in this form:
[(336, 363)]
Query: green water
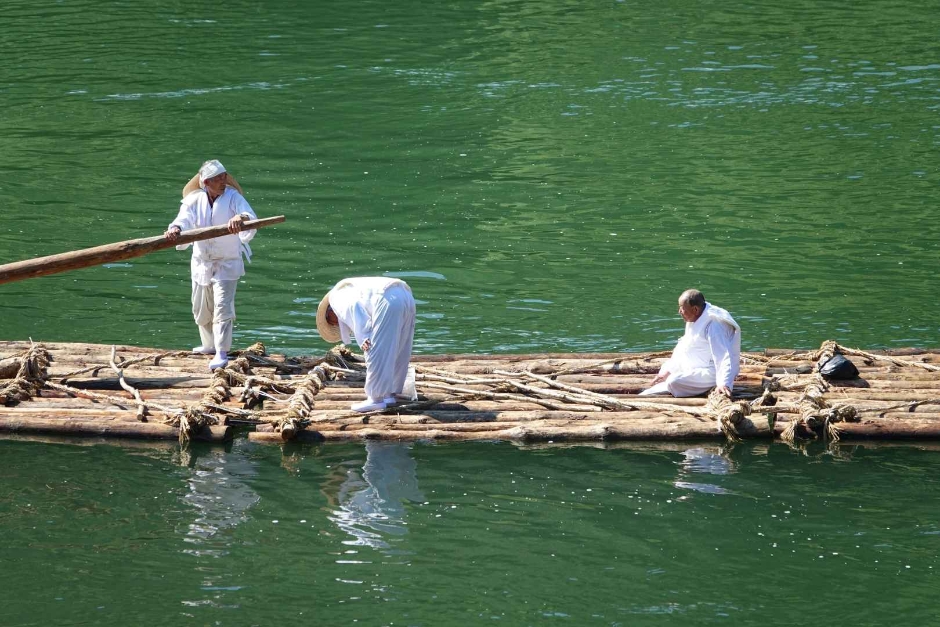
[(548, 176), (467, 534)]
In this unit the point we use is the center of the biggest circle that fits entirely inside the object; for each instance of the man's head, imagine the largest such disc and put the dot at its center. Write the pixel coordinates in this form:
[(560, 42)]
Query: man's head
[(691, 305), (327, 322), (213, 177)]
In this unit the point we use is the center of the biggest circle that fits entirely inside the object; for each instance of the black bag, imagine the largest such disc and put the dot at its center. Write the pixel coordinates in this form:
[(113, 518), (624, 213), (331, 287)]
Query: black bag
[(837, 367)]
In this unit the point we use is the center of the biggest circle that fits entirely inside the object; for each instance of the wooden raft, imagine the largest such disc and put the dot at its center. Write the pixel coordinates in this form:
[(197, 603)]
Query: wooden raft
[(132, 392)]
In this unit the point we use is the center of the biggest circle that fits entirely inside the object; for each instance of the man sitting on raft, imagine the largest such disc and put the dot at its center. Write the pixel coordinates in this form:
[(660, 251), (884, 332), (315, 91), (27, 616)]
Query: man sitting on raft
[(380, 313), (707, 356)]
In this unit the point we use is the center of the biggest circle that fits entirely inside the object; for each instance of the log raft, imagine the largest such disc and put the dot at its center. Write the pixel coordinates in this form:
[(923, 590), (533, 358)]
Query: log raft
[(89, 390)]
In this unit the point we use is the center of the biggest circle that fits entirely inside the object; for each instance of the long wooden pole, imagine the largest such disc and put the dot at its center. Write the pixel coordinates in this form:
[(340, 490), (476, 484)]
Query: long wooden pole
[(108, 253)]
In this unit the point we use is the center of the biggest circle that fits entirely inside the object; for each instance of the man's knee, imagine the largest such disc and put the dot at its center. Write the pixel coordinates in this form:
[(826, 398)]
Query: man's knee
[(691, 384)]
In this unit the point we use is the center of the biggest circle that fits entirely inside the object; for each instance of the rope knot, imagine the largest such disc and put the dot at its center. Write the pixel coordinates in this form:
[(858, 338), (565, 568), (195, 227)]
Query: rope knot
[(827, 350), (730, 415), (258, 349), (30, 378)]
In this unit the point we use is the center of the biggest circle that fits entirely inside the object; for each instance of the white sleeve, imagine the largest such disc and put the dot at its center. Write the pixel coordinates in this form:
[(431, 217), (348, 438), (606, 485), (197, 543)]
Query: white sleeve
[(720, 337), (241, 207), (185, 220), (670, 365), (361, 323)]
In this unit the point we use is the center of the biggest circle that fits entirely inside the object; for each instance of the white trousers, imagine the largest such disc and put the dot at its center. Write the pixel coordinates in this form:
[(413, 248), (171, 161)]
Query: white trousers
[(393, 332), (686, 383), (214, 312)]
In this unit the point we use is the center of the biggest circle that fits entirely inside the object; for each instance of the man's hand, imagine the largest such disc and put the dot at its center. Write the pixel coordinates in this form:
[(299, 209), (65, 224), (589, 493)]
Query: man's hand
[(724, 389), (236, 224), (367, 345), (172, 233), (660, 378)]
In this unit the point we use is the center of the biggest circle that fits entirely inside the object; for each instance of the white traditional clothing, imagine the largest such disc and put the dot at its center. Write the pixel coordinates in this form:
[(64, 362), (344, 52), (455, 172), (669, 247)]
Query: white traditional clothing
[(214, 312), (707, 356), (381, 310), (216, 263)]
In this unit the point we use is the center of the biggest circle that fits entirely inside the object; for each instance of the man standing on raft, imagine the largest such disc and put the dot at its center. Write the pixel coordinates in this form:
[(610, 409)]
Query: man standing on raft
[(380, 313), (707, 356), (213, 198)]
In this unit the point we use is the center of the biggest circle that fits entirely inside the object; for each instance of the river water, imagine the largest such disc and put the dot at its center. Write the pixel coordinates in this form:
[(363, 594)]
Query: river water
[(547, 176)]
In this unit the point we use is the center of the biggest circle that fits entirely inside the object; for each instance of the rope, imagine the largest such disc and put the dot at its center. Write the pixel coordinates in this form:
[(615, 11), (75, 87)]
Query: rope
[(301, 403), (203, 412), (156, 357), (831, 347), (30, 377), (729, 414), (828, 349), (816, 415), (107, 398)]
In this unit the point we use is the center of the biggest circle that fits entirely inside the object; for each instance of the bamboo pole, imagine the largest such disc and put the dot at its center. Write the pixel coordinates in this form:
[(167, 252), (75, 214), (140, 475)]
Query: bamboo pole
[(109, 253)]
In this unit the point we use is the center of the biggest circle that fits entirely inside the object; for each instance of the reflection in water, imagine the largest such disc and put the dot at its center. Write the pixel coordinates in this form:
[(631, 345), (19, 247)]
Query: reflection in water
[(702, 460), (220, 497), (372, 505)]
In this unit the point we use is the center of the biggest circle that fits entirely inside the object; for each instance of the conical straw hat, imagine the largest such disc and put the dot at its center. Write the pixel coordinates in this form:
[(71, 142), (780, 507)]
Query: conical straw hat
[(193, 185)]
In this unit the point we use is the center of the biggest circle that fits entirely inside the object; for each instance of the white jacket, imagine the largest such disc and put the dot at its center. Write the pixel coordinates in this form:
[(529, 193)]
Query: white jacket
[(220, 258), (713, 342), (354, 302)]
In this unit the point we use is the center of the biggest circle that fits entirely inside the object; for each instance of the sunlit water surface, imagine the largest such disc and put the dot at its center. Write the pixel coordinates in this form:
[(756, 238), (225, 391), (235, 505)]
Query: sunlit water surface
[(419, 534), (547, 176)]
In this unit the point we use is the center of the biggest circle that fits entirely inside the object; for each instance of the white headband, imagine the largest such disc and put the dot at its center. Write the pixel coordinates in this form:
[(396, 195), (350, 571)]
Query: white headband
[(210, 169)]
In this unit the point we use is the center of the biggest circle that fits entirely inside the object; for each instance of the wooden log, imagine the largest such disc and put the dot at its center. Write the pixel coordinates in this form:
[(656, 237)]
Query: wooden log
[(890, 430), (115, 428), (894, 352), (53, 401), (800, 382), (529, 433), (903, 415), (520, 357), (9, 367), (424, 423), (874, 429), (521, 416), (862, 394), (454, 405), (45, 413), (73, 348), (152, 383), (546, 367), (109, 253)]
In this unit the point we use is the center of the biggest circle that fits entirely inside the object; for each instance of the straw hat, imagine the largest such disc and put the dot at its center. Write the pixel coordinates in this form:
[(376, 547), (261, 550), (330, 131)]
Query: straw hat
[(194, 184), (329, 332)]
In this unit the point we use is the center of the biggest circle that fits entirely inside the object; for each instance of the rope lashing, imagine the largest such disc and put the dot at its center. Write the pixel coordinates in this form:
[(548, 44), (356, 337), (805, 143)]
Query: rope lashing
[(843, 413), (301, 402), (30, 377), (342, 357), (200, 413), (831, 347), (94, 369), (729, 414), (828, 349), (258, 349), (817, 415)]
